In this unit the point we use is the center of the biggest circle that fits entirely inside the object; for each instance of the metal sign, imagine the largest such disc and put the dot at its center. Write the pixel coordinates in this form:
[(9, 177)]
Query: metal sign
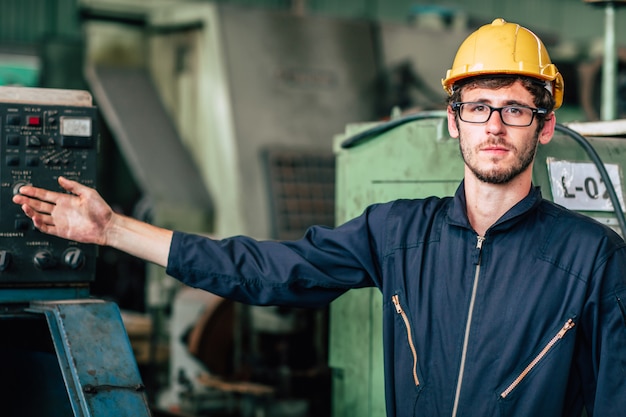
[(579, 186)]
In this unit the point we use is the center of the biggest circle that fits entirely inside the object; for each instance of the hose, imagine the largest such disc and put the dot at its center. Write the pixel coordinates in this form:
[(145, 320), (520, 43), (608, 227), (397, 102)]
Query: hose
[(593, 155), (387, 126)]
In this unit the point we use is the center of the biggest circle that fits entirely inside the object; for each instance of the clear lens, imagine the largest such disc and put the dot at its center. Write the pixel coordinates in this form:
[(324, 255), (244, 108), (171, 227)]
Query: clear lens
[(510, 115)]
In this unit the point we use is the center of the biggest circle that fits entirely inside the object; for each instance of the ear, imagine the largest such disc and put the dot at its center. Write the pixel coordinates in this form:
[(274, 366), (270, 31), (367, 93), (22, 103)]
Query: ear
[(547, 132), (452, 126)]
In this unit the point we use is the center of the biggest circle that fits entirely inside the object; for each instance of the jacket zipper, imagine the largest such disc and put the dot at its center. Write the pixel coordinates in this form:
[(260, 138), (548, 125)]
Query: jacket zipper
[(566, 327), (396, 302), (468, 325)]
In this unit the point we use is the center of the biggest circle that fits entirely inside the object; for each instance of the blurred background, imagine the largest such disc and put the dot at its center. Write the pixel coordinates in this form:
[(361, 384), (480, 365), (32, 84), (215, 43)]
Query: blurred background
[(219, 117)]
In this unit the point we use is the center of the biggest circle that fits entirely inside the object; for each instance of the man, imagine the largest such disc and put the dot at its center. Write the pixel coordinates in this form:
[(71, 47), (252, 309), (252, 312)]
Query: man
[(495, 301)]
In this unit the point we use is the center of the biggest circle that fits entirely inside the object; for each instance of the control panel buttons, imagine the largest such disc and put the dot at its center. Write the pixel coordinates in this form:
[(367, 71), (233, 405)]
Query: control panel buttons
[(32, 120), (74, 258), (5, 260), (14, 120), (12, 160), (38, 144), (13, 140), (18, 185), (32, 161), (44, 260), (33, 141), (23, 225)]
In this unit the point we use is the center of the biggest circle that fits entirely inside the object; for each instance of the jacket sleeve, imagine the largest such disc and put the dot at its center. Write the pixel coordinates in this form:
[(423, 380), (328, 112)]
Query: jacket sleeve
[(604, 376), (309, 272)]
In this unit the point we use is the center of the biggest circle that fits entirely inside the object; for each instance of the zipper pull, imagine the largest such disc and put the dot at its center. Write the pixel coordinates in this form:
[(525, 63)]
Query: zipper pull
[(396, 302), (566, 327), (479, 242)]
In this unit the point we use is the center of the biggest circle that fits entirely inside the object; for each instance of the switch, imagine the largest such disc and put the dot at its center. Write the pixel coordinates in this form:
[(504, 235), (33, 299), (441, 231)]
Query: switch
[(34, 141), (12, 160), (33, 120), (32, 161), (13, 140), (14, 120), (22, 225)]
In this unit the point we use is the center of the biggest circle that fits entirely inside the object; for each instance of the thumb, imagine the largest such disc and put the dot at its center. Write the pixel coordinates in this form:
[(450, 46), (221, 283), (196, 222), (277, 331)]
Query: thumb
[(73, 187)]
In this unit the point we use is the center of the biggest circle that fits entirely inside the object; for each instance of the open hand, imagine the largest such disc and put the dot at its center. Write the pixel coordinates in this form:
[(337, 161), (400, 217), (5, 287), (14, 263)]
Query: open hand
[(81, 216)]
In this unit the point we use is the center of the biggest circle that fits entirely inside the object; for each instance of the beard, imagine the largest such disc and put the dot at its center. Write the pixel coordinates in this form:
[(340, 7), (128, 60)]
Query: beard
[(524, 157)]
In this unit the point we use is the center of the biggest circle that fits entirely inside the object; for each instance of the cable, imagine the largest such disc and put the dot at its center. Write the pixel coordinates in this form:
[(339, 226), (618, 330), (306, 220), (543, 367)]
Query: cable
[(392, 124)]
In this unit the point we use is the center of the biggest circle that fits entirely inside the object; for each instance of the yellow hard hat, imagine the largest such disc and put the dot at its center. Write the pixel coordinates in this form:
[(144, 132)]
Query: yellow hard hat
[(505, 48)]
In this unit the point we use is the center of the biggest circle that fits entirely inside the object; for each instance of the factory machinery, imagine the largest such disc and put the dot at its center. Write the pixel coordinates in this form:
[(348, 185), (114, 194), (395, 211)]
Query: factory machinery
[(62, 353), (65, 353), (241, 106)]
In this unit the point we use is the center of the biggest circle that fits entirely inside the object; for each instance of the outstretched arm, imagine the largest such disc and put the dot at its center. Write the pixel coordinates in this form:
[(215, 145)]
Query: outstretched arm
[(83, 216)]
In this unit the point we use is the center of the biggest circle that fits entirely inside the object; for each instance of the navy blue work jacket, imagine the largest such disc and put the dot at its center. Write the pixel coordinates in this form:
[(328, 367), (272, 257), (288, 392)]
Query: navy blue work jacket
[(527, 320)]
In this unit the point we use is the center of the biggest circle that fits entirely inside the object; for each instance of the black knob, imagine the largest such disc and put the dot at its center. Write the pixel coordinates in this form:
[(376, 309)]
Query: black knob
[(34, 141), (74, 258), (44, 260), (5, 260)]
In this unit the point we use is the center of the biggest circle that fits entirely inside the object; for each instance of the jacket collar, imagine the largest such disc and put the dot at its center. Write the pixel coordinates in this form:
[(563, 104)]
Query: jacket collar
[(457, 211)]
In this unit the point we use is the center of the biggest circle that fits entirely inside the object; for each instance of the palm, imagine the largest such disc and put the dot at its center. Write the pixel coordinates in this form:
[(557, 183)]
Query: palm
[(82, 215), (82, 218)]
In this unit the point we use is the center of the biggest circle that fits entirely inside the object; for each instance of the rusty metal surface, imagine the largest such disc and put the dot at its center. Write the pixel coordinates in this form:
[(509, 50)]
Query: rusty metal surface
[(95, 357)]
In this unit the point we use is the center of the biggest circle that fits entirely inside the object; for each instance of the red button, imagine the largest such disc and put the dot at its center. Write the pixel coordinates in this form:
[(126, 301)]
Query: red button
[(33, 120)]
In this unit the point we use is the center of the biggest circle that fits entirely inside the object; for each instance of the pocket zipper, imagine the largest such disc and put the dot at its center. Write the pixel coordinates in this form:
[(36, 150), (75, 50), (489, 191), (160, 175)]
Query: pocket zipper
[(396, 302), (566, 327)]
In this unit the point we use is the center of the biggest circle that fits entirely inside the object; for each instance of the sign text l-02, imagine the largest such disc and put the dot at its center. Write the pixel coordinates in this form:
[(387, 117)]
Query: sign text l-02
[(579, 186)]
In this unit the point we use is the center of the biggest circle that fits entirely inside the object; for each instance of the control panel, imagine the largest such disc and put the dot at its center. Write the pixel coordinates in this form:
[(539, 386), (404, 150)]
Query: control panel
[(38, 143)]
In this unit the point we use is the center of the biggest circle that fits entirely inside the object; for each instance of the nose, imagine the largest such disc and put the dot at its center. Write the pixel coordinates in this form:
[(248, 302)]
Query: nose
[(495, 123)]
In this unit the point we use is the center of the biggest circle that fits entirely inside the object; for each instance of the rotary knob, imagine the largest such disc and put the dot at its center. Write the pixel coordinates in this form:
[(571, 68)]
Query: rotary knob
[(74, 258), (44, 260), (18, 185), (5, 260)]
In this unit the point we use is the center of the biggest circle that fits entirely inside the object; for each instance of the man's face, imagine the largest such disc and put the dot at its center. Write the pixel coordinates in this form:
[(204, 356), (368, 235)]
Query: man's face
[(493, 152)]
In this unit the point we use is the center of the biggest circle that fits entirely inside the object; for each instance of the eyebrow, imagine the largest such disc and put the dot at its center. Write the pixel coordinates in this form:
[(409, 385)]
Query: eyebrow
[(506, 103)]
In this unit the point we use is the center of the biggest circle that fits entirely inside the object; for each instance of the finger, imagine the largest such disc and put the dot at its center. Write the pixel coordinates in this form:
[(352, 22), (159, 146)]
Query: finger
[(40, 224), (33, 214), (73, 187), (19, 199), (39, 193), (40, 220), (37, 206)]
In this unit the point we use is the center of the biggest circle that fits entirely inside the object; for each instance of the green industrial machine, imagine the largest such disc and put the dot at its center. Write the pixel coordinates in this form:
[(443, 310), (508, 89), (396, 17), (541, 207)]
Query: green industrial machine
[(414, 157), (404, 158)]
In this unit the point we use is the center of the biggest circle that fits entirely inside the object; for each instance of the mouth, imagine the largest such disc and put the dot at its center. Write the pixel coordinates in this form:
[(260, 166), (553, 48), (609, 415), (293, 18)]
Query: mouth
[(495, 150), (498, 148)]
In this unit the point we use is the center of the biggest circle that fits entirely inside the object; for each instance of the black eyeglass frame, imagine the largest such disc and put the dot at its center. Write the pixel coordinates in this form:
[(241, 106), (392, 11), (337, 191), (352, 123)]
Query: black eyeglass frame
[(456, 106)]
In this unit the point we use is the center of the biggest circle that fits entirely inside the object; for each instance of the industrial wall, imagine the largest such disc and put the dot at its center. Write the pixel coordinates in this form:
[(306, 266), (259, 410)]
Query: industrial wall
[(30, 20)]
